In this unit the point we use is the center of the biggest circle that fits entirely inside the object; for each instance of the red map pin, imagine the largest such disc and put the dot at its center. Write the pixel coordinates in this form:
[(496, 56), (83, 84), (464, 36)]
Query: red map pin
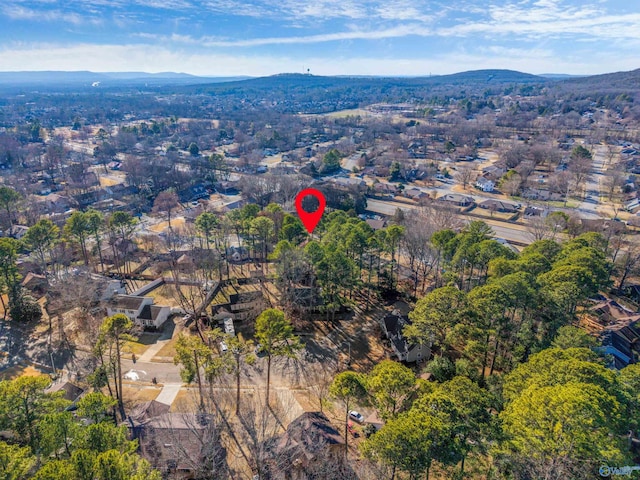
[(310, 219)]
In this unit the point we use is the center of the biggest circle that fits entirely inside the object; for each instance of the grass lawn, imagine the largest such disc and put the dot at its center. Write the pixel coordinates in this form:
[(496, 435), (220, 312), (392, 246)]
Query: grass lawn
[(169, 350), (140, 346), (19, 371), (109, 182), (187, 400), (496, 215), (134, 394), (560, 204), (177, 222), (349, 113)]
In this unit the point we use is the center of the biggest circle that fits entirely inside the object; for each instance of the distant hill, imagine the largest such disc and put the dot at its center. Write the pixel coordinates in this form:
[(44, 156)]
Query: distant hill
[(119, 79), (617, 80), (485, 76), (560, 76), (302, 80), (86, 78), (473, 76)]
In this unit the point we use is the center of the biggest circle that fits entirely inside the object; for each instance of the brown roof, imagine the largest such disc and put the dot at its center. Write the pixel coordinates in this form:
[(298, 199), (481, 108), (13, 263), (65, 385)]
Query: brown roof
[(33, 280), (375, 224), (180, 441), (310, 432)]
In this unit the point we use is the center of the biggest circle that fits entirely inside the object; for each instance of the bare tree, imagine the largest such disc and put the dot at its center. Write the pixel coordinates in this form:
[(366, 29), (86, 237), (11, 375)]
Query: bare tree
[(259, 424), (560, 183), (416, 246), (166, 202), (628, 263), (319, 376), (464, 175), (512, 185), (538, 228), (525, 169), (190, 441), (441, 217), (580, 167)]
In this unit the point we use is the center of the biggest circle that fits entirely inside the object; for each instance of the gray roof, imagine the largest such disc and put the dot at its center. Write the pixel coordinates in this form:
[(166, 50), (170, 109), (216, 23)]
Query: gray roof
[(150, 312), (456, 198), (71, 391), (129, 302)]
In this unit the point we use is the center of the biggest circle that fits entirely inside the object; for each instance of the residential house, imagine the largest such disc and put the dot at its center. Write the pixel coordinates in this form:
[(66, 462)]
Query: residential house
[(243, 300), (415, 194), (384, 189), (55, 203), (417, 150), (632, 206), (541, 194), (35, 283), (417, 174), (140, 310), (69, 391), (498, 206), (622, 341), (283, 169), (309, 448), (610, 312), (349, 182), (227, 188), (179, 445), (199, 257), (120, 191), (237, 254), (393, 323), (86, 199), (485, 184), (602, 225), (493, 172), (85, 181), (457, 199), (193, 193), (619, 329), (535, 212), (17, 231), (376, 224)]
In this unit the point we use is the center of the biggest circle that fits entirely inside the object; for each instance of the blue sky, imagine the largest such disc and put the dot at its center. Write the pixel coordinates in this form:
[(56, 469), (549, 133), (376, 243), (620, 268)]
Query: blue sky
[(329, 37)]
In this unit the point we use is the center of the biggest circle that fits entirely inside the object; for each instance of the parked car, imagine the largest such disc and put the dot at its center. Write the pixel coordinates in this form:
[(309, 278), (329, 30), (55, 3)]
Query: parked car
[(223, 347), (357, 416)]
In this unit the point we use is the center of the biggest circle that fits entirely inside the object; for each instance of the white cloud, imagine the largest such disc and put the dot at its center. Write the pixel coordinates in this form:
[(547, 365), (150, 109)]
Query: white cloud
[(152, 58), (401, 31), (17, 12)]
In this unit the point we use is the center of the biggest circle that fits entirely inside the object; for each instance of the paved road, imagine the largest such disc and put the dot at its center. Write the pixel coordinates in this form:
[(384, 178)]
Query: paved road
[(510, 232), (593, 187)]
